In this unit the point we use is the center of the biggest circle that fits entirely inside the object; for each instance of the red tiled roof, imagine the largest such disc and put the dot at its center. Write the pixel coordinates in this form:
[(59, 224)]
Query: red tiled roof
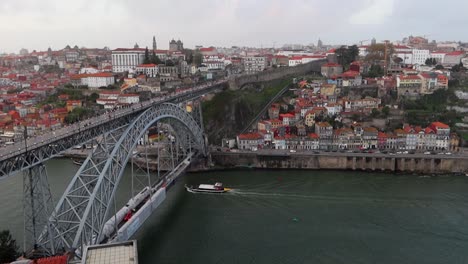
[(330, 64), (150, 65), (110, 92), (428, 130), (287, 115), (323, 124), (207, 49), (439, 125), (127, 49), (250, 136), (53, 260), (410, 77), (455, 53), (382, 135)]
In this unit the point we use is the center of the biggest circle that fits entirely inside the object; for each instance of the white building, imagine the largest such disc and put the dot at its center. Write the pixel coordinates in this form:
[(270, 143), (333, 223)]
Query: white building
[(150, 70), (96, 80), (439, 56), (127, 59), (214, 65), (88, 70), (420, 56), (254, 64), (128, 99), (296, 60), (405, 53)]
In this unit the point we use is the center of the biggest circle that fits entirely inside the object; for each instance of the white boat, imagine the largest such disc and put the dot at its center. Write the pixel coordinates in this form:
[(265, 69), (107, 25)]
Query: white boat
[(77, 162), (208, 188)]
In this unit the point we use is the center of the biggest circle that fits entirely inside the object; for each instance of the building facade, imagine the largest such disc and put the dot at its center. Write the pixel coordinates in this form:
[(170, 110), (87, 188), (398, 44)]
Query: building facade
[(127, 59)]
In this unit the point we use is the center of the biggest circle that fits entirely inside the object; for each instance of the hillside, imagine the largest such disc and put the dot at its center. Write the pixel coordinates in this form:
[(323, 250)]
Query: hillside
[(228, 112)]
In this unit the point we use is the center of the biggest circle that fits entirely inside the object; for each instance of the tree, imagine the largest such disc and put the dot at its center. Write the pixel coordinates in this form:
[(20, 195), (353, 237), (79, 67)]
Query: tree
[(397, 60), (353, 52), (376, 53), (197, 58), (8, 247), (169, 63), (430, 61), (147, 58), (385, 111), (346, 55), (375, 113), (188, 55), (93, 97), (375, 71), (439, 67), (155, 59)]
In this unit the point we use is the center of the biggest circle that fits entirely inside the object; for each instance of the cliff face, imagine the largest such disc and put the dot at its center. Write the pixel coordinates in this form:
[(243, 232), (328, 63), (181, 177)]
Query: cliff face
[(228, 112)]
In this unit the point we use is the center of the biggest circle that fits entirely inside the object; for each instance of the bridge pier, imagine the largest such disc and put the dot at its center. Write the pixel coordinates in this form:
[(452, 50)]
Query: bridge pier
[(354, 163), (37, 206), (382, 164), (373, 163)]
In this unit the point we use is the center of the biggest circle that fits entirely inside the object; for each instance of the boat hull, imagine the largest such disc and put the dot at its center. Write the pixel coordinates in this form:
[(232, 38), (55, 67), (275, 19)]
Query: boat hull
[(197, 190)]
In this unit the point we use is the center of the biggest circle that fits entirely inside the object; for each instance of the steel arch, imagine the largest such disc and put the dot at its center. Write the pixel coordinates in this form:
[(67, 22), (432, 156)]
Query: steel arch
[(81, 213)]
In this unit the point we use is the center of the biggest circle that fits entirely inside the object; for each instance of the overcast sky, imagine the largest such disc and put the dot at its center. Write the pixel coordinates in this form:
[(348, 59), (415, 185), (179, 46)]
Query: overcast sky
[(34, 24)]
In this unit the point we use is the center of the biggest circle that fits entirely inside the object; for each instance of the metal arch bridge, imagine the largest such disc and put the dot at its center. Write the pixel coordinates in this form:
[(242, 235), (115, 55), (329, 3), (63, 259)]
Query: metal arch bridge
[(79, 216)]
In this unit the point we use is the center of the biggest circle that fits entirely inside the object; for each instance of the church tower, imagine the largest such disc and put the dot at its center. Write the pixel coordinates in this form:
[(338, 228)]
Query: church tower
[(155, 47)]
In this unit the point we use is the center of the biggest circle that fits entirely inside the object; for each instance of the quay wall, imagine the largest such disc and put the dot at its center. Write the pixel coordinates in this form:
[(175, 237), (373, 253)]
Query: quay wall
[(331, 161)]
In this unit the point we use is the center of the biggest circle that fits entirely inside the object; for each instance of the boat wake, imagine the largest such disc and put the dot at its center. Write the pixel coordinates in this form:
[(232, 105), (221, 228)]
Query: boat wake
[(247, 193)]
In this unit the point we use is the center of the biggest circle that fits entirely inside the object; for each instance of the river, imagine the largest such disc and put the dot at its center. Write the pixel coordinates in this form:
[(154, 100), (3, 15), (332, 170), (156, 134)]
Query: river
[(292, 217)]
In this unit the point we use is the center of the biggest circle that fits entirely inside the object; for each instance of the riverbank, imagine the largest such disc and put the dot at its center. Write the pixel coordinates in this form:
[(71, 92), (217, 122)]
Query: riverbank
[(411, 163)]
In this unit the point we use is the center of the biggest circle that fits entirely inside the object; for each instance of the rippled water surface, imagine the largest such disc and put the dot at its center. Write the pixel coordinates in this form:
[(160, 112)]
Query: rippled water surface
[(292, 217)]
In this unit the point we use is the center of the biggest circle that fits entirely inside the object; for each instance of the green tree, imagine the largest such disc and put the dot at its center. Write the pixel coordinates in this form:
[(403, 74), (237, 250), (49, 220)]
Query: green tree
[(346, 55), (155, 59), (375, 71), (197, 58), (376, 53), (169, 63), (353, 52), (385, 111), (375, 113), (77, 114), (147, 58), (428, 61), (93, 97), (8, 247), (439, 67), (188, 55)]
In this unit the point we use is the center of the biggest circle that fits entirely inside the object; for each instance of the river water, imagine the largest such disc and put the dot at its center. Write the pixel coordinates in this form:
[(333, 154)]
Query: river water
[(292, 217)]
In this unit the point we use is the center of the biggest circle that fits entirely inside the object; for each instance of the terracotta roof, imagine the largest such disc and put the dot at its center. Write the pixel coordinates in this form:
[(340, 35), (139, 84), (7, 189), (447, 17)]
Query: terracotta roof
[(53, 260), (439, 125), (150, 65), (323, 124), (330, 64), (455, 53), (410, 77), (250, 136), (126, 49), (382, 135)]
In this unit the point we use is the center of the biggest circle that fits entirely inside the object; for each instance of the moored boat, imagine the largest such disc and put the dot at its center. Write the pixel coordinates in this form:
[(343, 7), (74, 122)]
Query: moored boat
[(77, 162), (208, 188)]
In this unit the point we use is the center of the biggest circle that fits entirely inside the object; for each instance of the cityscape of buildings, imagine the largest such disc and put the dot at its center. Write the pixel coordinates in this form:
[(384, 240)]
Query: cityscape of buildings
[(43, 90)]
